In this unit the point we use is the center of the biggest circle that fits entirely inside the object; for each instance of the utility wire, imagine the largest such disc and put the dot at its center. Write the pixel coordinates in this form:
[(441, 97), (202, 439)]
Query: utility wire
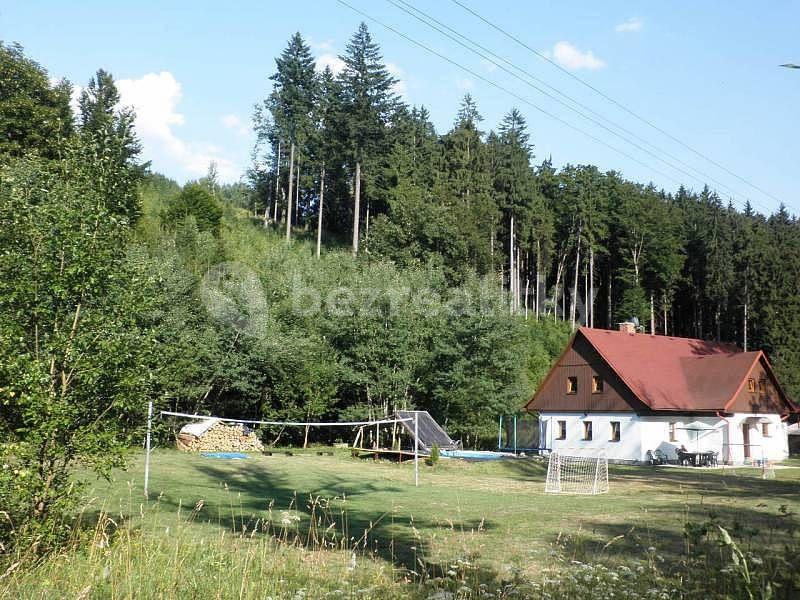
[(615, 102), (506, 90), (467, 43)]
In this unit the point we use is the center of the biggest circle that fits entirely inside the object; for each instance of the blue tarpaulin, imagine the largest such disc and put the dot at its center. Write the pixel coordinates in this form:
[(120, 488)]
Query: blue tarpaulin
[(228, 455)]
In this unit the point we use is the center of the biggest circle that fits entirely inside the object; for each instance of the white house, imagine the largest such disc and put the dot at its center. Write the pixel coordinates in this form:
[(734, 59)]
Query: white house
[(627, 393)]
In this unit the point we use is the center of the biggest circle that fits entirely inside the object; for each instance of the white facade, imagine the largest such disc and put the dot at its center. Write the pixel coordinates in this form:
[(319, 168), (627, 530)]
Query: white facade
[(637, 434)]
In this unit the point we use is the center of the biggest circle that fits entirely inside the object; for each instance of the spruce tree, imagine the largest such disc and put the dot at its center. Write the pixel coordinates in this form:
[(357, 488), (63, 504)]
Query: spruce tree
[(369, 104), (291, 104)]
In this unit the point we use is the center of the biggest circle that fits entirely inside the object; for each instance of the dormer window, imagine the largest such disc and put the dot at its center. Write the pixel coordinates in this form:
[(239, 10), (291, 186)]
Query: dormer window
[(572, 385)]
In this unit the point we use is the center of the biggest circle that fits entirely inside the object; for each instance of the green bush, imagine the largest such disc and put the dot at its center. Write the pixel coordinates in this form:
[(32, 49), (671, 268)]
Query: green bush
[(434, 457)]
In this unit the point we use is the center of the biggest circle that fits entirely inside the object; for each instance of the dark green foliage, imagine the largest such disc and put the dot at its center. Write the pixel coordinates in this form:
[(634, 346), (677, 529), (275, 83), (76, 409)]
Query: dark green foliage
[(72, 350), (35, 116), (197, 201), (368, 99)]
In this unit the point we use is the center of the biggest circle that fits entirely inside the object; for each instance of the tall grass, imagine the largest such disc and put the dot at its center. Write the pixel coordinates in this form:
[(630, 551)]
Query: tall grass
[(308, 549)]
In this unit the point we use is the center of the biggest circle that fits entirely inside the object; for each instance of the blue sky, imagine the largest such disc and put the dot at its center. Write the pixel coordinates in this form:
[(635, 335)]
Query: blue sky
[(706, 73)]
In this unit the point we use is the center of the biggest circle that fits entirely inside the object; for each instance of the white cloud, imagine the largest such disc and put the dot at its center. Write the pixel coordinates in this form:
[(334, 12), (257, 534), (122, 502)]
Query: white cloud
[(74, 100), (329, 59), (488, 65), (398, 73), (572, 58), (232, 121), (155, 98), (632, 24), (321, 45), (465, 83)]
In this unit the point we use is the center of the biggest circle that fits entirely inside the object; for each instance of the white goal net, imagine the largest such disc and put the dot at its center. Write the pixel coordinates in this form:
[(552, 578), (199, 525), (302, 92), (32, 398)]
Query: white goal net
[(572, 474)]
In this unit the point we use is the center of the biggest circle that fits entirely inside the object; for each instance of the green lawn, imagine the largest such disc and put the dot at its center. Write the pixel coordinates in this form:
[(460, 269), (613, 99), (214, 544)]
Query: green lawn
[(308, 526), (495, 513)]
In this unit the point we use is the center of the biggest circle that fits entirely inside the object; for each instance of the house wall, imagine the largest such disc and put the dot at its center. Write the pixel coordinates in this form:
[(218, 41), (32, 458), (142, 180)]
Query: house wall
[(629, 447), (582, 361), (638, 434)]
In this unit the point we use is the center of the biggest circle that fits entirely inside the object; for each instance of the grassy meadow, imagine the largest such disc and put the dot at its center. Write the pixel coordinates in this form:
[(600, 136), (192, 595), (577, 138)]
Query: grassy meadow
[(335, 526)]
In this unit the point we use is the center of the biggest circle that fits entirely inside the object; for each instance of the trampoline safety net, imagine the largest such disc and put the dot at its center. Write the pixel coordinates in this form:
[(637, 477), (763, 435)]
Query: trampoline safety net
[(430, 432)]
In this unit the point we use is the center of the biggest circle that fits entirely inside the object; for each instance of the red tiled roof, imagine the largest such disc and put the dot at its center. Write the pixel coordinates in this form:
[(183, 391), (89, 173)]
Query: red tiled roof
[(668, 373)]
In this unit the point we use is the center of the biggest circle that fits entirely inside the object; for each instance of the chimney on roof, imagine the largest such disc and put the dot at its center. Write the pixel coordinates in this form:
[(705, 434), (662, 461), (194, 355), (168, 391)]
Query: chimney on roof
[(627, 327)]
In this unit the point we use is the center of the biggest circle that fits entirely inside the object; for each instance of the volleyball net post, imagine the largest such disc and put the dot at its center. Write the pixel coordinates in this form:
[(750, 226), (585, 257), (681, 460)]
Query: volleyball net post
[(147, 449)]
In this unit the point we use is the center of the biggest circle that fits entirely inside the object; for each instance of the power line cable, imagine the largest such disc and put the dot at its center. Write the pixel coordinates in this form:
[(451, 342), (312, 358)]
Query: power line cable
[(507, 91), (615, 102), (703, 177)]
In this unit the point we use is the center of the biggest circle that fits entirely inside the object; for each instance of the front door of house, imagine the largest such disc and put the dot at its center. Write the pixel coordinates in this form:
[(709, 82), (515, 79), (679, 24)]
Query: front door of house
[(746, 439)]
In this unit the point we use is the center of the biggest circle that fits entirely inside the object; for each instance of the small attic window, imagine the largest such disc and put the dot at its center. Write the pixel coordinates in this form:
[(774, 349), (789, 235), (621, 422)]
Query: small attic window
[(751, 385), (762, 386), (572, 385), (597, 384)]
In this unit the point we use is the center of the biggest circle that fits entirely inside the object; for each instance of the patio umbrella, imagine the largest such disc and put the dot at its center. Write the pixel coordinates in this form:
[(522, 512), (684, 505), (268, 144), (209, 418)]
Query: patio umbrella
[(697, 427)]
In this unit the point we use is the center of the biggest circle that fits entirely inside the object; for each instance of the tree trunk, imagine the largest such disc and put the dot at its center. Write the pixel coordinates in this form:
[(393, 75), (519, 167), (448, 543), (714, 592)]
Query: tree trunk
[(277, 179), (652, 316), (366, 227), (289, 202), (356, 207), (491, 248), (527, 286), (577, 273), (511, 265), (538, 277), (555, 291), (591, 287), (746, 299), (297, 195), (608, 297), (321, 200)]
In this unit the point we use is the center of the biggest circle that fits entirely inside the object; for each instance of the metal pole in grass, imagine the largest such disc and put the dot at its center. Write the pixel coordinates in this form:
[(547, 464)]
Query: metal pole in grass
[(147, 448), (500, 434), (416, 448)]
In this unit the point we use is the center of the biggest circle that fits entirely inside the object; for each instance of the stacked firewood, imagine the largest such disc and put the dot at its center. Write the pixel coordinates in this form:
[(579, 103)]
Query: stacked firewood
[(221, 438)]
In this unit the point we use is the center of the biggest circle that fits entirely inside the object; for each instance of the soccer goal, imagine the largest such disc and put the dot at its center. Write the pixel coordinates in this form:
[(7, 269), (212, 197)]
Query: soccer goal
[(575, 474)]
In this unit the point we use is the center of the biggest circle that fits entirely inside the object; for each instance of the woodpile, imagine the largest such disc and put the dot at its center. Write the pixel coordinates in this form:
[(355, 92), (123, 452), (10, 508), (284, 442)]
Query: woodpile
[(219, 437)]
